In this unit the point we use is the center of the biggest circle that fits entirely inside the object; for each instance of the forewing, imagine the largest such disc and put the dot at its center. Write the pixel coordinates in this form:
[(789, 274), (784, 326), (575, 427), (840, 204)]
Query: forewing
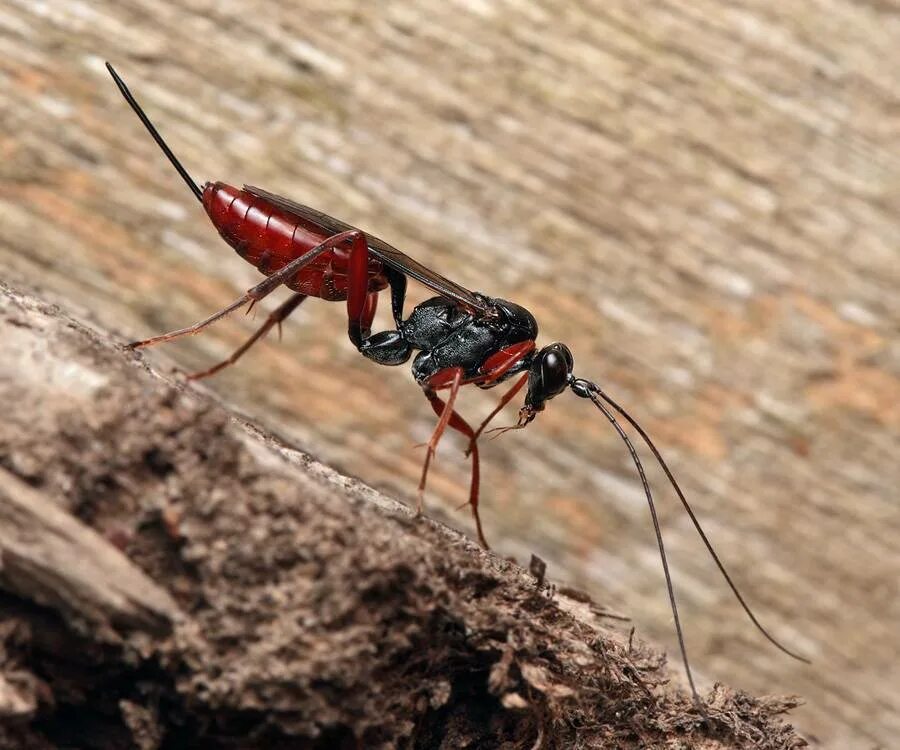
[(380, 249)]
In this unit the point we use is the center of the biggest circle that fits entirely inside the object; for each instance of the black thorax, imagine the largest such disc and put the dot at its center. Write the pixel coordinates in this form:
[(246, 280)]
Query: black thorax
[(445, 336)]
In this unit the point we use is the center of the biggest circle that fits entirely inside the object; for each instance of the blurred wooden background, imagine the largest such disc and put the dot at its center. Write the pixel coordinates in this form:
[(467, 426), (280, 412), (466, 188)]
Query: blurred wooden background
[(700, 199)]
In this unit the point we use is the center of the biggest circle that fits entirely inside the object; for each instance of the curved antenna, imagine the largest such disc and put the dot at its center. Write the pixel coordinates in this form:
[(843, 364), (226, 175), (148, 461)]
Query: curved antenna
[(734, 589), (132, 102), (586, 389)]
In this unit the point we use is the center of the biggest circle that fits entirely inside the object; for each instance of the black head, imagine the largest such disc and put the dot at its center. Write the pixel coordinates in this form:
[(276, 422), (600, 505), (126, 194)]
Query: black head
[(549, 375)]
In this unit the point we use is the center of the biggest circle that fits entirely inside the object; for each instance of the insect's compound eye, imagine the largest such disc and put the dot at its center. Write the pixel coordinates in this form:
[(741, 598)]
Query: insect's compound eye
[(549, 375), (554, 371), (567, 355)]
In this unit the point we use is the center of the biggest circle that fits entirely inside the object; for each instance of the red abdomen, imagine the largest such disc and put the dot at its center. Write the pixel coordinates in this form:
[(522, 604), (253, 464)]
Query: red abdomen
[(270, 238)]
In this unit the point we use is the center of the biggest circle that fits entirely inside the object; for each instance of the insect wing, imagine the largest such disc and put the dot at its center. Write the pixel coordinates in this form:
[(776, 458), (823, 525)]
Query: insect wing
[(441, 284), (317, 219), (380, 249)]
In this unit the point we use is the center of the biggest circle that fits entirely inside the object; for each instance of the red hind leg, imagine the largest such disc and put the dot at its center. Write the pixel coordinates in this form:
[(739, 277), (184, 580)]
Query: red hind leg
[(460, 425), (275, 318), (360, 303), (261, 290), (368, 313)]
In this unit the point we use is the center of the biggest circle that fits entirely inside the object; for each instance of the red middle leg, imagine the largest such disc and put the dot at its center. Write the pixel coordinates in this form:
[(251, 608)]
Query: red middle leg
[(449, 378), (494, 368), (460, 425)]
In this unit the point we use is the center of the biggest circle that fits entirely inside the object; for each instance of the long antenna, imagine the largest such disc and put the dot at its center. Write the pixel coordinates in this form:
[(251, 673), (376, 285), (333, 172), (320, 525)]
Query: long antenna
[(698, 527), (132, 102), (586, 389)]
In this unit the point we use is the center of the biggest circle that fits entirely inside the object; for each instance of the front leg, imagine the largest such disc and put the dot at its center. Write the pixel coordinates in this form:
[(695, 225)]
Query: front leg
[(494, 368), (507, 397), (360, 303)]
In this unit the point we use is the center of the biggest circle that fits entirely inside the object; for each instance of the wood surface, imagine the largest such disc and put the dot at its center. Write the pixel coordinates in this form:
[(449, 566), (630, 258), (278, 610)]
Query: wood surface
[(312, 611), (701, 199), (53, 559)]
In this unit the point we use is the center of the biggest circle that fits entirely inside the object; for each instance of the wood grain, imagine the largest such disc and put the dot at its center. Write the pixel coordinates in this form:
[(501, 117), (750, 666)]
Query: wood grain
[(700, 199)]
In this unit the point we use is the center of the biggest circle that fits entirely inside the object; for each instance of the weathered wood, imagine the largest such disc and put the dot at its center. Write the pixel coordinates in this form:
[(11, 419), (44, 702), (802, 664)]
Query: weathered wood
[(700, 198), (318, 612), (17, 701), (49, 557)]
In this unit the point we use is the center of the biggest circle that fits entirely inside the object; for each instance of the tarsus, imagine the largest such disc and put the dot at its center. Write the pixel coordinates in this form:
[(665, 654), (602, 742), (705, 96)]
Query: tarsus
[(195, 188)]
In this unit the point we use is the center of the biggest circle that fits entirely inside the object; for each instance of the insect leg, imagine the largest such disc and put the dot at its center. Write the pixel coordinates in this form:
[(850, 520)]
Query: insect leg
[(275, 318), (460, 425), (261, 290), (507, 397), (368, 313), (502, 361), (448, 378), (397, 281), (358, 290), (386, 347), (495, 367)]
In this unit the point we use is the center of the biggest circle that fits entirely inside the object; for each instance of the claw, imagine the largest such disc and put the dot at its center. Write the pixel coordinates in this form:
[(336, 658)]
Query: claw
[(498, 431)]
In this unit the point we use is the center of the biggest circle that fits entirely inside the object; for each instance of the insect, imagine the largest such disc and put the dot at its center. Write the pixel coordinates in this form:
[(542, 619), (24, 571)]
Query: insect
[(460, 337)]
